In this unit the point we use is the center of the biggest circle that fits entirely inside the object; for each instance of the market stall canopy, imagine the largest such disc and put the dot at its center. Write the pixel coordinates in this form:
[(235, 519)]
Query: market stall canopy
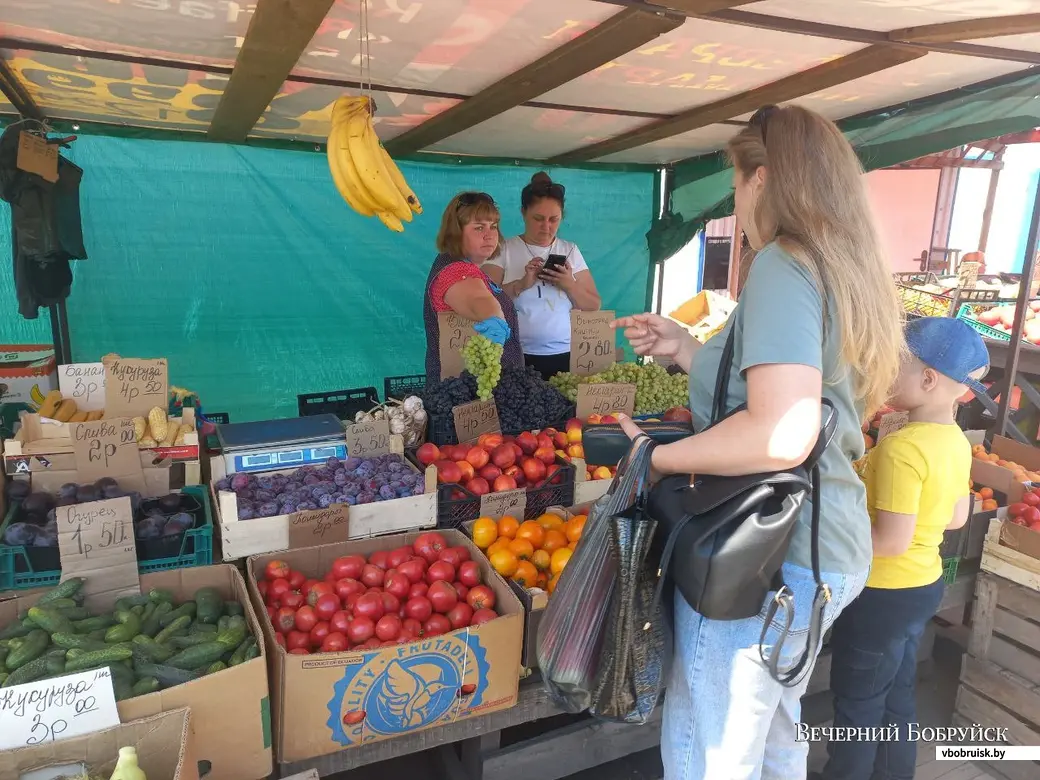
[(568, 81)]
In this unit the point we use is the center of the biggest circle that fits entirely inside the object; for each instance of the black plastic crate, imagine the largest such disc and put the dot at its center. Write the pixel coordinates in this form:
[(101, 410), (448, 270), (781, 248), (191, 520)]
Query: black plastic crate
[(172, 546), (400, 387), (345, 404)]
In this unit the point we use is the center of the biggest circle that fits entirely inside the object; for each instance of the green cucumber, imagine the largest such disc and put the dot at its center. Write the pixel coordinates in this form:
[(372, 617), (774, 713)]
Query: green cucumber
[(158, 595), (30, 649), (216, 666), (199, 655), (92, 658), (239, 655), (145, 686), (68, 589), (16, 630), (184, 642), (3, 678), (233, 635), (149, 650), (209, 605), (60, 604), (27, 673), (74, 613), (150, 625), (176, 628), (167, 676), (252, 652), (129, 627), (233, 608), (188, 608), (3, 656), (222, 624), (51, 620), (55, 662), (93, 623), (99, 634), (127, 603), (206, 629), (78, 641)]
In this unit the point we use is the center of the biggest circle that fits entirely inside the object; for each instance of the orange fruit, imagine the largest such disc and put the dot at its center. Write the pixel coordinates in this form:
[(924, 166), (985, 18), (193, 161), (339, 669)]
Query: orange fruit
[(485, 532), (505, 562), (553, 582), (559, 559), (543, 580), (572, 546), (989, 505), (986, 493), (575, 526), (526, 574), (522, 549), (502, 543), (532, 532), (507, 526), (554, 540), (549, 520), (541, 559)]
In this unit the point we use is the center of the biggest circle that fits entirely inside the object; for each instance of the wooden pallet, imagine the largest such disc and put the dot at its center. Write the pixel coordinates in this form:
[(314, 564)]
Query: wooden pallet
[(1000, 673)]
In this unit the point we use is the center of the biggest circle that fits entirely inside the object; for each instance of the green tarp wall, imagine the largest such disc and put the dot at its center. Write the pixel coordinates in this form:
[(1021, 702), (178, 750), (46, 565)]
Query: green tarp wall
[(246, 269)]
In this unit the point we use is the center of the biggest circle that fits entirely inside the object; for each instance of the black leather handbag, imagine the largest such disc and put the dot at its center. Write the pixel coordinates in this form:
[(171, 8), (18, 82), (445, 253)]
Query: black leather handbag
[(722, 540)]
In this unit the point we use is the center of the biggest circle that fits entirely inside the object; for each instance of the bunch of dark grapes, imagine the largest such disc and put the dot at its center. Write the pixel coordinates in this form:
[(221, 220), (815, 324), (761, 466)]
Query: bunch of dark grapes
[(526, 402), (442, 397)]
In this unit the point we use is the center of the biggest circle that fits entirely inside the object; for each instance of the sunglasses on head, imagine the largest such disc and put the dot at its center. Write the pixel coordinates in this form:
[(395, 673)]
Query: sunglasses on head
[(550, 189), (760, 119), (473, 198)]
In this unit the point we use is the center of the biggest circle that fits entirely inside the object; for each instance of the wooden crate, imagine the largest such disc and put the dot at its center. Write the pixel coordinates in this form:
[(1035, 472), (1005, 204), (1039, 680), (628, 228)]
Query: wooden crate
[(1000, 673)]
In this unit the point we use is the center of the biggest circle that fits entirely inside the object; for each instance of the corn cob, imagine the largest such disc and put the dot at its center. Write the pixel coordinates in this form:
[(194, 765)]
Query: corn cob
[(140, 428), (158, 425), (147, 443)]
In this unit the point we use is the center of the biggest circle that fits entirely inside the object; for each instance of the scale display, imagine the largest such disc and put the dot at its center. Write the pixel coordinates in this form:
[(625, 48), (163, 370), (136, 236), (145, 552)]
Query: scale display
[(281, 444), (271, 460)]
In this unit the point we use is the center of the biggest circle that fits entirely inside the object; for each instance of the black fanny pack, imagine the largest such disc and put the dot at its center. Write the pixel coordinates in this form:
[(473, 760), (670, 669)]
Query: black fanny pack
[(722, 540)]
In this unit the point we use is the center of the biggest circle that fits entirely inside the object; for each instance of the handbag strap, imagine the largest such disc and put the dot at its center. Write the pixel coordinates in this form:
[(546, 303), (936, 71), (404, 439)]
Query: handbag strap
[(718, 406)]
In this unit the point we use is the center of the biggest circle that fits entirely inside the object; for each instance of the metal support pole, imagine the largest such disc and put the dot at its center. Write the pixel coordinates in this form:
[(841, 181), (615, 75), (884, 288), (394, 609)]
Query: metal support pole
[(987, 213), (1015, 347)]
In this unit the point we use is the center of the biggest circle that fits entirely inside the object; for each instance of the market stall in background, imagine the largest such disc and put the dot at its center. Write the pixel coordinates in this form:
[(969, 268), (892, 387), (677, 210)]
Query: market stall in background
[(227, 482)]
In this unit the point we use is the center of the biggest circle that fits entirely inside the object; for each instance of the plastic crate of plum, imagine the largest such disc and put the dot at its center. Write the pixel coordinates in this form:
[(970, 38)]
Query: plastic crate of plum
[(352, 482), (172, 531)]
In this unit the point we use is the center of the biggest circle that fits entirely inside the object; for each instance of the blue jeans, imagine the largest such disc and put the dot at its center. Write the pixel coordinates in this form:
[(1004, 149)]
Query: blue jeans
[(873, 678), (725, 717)]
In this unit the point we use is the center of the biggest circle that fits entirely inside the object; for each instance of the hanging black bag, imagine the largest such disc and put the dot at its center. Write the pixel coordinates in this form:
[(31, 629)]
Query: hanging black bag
[(722, 540)]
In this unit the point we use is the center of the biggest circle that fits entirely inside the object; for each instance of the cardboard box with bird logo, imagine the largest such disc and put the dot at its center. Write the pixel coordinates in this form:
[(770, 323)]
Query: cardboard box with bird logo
[(328, 702)]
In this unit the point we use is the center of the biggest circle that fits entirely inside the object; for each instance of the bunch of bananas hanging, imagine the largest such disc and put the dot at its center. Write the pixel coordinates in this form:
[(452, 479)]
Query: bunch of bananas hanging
[(369, 181)]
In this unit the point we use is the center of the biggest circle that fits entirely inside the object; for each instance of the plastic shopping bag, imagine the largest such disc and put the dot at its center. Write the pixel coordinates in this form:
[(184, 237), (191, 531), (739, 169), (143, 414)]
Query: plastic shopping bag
[(605, 592)]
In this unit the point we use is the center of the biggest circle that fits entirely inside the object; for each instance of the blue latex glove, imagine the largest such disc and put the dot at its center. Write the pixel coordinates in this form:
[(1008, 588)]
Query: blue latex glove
[(494, 329)]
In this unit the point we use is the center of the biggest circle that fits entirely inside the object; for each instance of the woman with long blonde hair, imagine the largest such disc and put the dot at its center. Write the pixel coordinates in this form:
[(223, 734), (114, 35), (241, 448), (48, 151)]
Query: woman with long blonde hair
[(818, 318)]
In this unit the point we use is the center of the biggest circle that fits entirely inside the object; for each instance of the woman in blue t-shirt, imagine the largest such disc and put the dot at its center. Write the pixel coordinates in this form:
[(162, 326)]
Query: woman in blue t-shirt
[(818, 317)]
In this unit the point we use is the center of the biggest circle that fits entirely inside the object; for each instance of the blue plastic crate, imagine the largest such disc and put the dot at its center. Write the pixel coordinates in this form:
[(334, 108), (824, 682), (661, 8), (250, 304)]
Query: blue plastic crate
[(17, 573)]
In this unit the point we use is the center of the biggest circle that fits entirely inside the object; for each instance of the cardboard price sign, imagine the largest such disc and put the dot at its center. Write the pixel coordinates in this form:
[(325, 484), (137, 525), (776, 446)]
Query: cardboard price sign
[(366, 440), (107, 448), (605, 399), (511, 503), (473, 419), (84, 383), (968, 274), (48, 710), (133, 386), (892, 422), (592, 342), (319, 526), (96, 542), (454, 332), (37, 156)]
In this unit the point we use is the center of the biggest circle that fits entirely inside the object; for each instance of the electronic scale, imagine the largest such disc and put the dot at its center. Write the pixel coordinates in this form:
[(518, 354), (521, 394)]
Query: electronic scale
[(281, 444)]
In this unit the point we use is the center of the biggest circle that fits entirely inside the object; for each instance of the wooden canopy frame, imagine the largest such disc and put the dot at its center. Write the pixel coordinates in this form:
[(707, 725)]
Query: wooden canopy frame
[(280, 30)]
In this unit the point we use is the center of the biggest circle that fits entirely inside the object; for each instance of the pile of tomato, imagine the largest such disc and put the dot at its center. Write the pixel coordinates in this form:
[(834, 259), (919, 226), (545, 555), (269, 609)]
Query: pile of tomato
[(392, 597), (533, 553), (1027, 511)]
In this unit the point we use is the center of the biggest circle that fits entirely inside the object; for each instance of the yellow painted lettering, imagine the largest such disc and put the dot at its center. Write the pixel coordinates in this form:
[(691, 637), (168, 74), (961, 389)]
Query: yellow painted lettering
[(703, 53)]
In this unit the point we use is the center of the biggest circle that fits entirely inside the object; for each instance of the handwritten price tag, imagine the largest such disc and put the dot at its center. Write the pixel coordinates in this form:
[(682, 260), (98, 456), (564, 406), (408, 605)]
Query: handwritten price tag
[(366, 440), (475, 418), (605, 399), (107, 448), (133, 386), (498, 505), (37, 156), (592, 342), (84, 383), (71, 706), (319, 526), (968, 274), (454, 332), (96, 541), (892, 422)]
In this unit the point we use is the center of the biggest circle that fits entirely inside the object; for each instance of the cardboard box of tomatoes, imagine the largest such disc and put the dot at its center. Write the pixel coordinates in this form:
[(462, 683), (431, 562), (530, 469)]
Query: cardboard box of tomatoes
[(1022, 527), (375, 638)]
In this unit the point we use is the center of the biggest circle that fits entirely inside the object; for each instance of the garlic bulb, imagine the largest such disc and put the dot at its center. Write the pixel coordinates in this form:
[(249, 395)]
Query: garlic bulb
[(419, 418), (412, 404), (398, 425)]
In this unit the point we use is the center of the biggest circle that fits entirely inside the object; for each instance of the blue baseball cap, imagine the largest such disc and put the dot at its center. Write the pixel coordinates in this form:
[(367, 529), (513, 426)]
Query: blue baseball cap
[(950, 346)]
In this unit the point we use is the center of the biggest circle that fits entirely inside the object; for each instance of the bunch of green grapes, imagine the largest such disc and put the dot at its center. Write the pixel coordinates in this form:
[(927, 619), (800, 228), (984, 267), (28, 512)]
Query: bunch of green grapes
[(656, 389), (483, 359)]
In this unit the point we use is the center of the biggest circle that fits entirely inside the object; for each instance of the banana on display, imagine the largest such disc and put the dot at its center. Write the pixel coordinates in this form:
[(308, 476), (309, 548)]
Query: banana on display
[(365, 175)]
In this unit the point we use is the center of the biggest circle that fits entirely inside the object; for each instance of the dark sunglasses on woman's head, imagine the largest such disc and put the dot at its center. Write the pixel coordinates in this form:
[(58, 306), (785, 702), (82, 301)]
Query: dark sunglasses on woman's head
[(550, 189), (473, 198), (760, 119)]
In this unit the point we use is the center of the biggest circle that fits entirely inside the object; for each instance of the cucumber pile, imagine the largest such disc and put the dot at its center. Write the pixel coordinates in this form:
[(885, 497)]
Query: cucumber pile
[(149, 642)]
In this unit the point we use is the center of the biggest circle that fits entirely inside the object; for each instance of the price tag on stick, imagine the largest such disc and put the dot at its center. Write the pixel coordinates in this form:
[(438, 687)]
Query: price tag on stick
[(134, 386), (96, 542), (605, 399), (512, 503), (592, 342), (454, 332), (319, 526), (84, 383), (366, 440), (45, 711), (108, 448), (473, 419)]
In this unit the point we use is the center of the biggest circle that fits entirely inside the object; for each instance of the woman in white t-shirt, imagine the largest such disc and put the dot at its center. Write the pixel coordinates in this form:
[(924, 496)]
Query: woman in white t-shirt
[(544, 296)]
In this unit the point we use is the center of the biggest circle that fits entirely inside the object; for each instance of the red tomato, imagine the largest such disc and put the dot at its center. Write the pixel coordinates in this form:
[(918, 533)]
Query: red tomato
[(349, 566), (418, 589), (391, 604), (296, 579), (481, 598), (436, 624), (441, 570), (460, 615), (414, 569), (298, 639), (306, 618), (346, 586), (411, 628), (326, 606), (419, 608), (399, 556), (373, 575), (1017, 520), (319, 632), (452, 555), (317, 590), (285, 619), (1016, 510), (276, 570), (469, 573), (380, 558), (442, 596), (370, 605), (278, 588), (388, 627), (261, 588), (429, 545), (339, 623), (397, 583), (1031, 515), (335, 642), (1032, 499), (482, 616), (292, 600), (361, 630)]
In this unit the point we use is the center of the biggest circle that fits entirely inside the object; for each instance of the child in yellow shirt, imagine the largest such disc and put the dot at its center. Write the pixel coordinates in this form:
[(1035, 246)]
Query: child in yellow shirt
[(917, 480)]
